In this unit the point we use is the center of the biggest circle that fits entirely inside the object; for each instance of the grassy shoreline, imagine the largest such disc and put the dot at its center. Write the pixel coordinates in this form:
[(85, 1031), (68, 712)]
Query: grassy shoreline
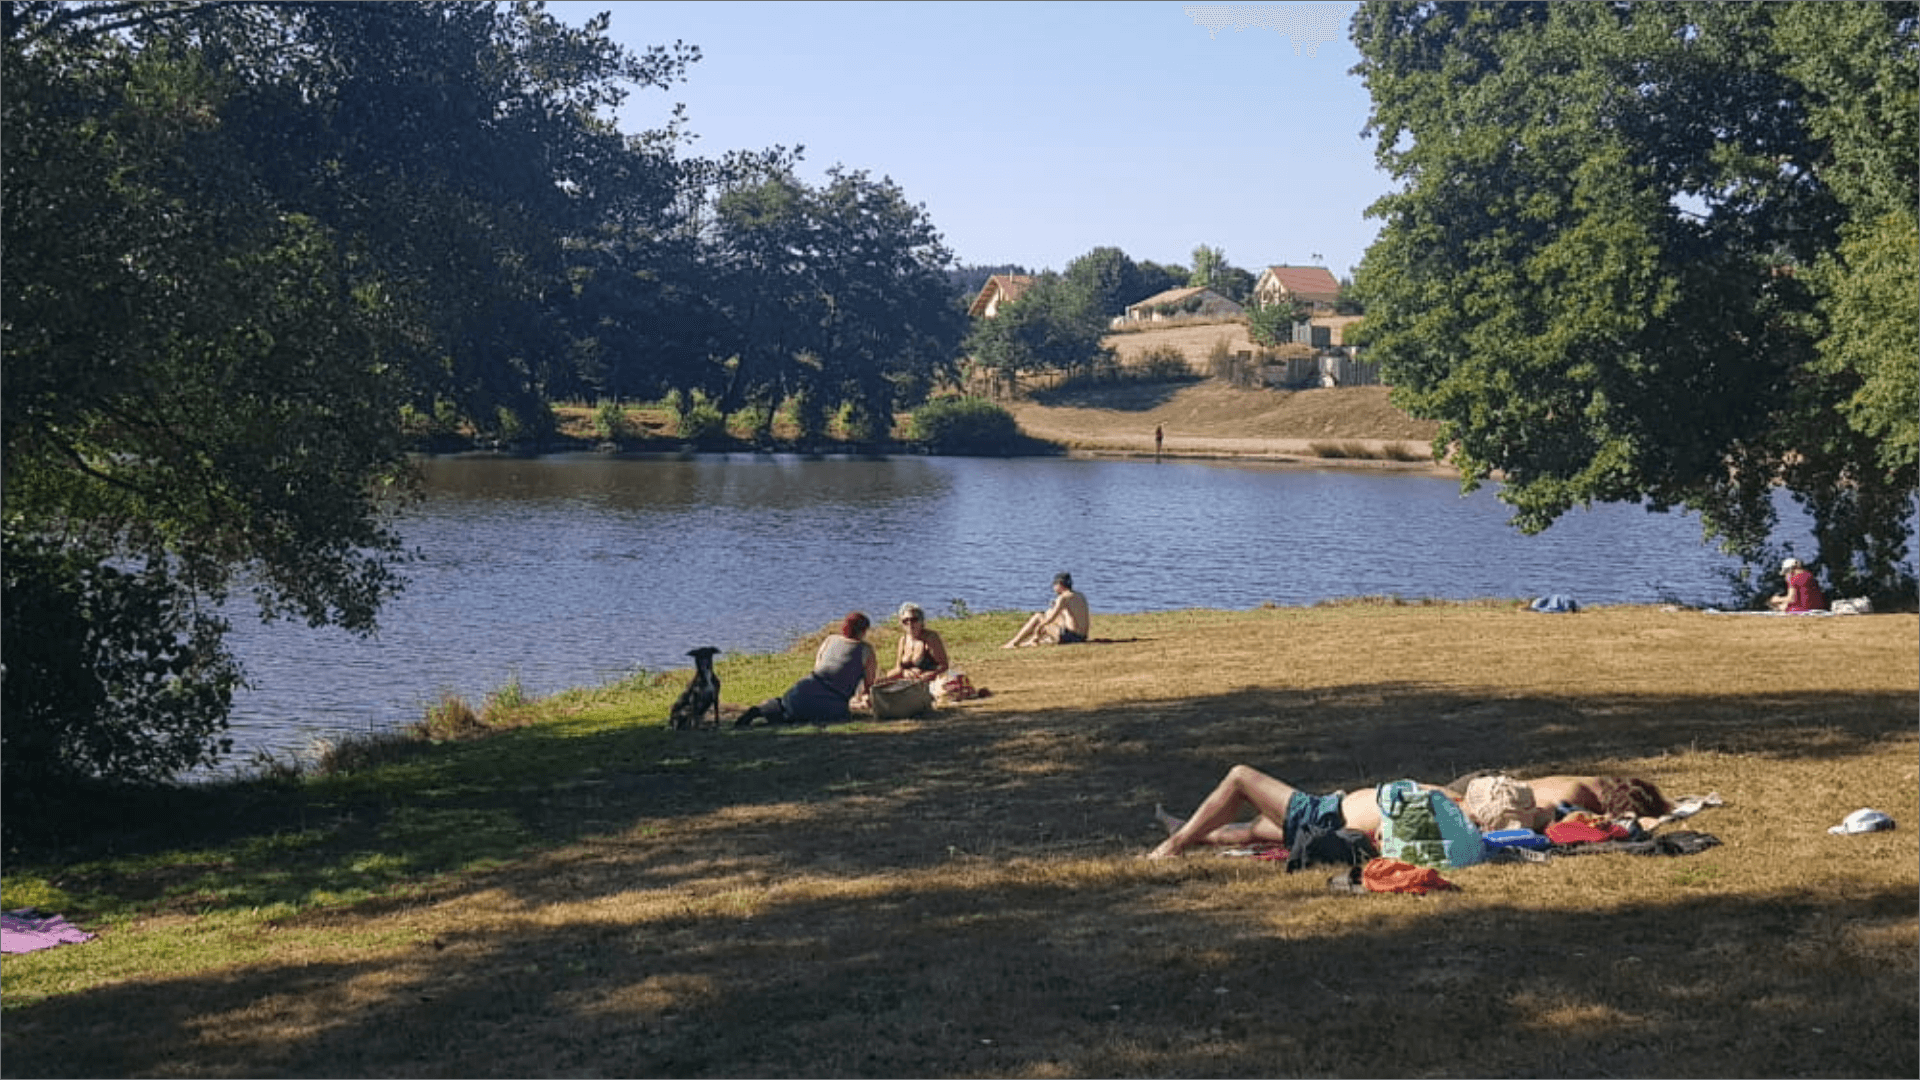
[(590, 893)]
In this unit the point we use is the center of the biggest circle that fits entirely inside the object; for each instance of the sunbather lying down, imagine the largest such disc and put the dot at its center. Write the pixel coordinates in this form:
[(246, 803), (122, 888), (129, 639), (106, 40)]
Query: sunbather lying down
[(1283, 810), (1492, 802), (1496, 801)]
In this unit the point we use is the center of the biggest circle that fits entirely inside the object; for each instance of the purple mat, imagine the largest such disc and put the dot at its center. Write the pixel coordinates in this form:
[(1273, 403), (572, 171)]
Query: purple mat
[(26, 931)]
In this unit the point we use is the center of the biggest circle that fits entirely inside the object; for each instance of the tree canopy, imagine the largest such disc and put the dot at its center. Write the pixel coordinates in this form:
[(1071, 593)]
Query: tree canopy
[(1657, 252), (242, 239)]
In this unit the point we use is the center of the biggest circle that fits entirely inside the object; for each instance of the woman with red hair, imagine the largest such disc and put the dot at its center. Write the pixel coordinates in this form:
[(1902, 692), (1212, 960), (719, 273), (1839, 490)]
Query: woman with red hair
[(843, 667)]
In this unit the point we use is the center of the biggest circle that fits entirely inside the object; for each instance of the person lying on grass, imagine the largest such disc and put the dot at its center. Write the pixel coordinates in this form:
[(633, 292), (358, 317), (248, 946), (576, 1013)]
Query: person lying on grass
[(1503, 802), (1491, 802), (1284, 812)]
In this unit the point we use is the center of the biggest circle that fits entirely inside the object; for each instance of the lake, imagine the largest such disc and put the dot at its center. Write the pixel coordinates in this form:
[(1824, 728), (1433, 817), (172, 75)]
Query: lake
[(576, 570)]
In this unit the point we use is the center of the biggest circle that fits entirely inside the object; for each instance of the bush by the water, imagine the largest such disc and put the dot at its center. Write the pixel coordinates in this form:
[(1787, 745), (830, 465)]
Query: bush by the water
[(963, 425)]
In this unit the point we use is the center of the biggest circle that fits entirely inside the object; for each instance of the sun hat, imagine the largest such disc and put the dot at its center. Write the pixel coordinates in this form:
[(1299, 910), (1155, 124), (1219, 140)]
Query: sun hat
[(1496, 803), (1790, 564), (1863, 820)]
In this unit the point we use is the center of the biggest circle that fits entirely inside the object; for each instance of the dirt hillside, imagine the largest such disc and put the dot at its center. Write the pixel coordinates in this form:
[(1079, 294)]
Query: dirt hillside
[(1348, 425)]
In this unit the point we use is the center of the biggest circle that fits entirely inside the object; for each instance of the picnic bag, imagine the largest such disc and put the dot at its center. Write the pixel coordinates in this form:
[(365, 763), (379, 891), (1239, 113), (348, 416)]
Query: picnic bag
[(1425, 828), (896, 699)]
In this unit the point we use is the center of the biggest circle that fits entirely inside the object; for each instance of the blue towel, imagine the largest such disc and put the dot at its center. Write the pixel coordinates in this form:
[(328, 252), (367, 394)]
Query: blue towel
[(1556, 603)]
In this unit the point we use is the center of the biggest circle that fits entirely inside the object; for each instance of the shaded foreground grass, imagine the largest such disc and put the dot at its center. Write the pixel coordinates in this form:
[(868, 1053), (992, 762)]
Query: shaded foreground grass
[(593, 895)]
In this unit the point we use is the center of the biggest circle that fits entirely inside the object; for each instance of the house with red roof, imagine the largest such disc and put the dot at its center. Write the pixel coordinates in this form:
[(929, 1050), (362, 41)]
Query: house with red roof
[(1315, 285), (1000, 289)]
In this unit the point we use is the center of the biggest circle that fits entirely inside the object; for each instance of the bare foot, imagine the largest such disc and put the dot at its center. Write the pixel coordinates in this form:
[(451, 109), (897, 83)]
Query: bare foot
[(1167, 821), (1164, 851)]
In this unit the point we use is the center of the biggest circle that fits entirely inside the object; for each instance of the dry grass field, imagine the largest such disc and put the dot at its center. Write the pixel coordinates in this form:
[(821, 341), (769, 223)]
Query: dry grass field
[(963, 895), (1214, 419)]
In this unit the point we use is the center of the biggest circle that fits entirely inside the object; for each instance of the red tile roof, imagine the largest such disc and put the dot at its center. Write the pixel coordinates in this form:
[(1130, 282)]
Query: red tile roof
[(1305, 282), (1009, 288)]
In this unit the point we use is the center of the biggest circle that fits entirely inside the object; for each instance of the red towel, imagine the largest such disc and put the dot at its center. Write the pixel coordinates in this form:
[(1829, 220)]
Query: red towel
[(1392, 875)]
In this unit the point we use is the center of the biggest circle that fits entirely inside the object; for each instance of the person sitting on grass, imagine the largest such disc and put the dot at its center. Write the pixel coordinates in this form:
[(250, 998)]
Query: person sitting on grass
[(1803, 592), (1065, 622), (843, 667), (922, 655), (1283, 810)]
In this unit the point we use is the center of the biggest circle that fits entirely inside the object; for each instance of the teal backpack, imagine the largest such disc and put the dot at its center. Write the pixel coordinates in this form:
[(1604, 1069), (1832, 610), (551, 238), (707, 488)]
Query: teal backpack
[(1425, 828)]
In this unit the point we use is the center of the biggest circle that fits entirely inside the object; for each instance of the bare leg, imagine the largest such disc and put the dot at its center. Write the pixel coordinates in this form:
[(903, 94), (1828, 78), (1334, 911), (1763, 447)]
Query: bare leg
[(1243, 786), (1026, 633)]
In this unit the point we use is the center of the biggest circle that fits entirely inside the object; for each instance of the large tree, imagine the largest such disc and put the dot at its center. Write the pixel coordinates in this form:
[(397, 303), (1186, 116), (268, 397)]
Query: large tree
[(1053, 326), (238, 238), (835, 295), (1616, 264)]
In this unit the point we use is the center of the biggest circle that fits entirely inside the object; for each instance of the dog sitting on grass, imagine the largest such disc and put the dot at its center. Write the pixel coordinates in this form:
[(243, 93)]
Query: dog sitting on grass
[(699, 703)]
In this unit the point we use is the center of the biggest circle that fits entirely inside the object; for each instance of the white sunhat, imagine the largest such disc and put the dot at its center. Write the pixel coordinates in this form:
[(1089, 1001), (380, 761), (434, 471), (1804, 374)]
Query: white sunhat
[(1863, 820)]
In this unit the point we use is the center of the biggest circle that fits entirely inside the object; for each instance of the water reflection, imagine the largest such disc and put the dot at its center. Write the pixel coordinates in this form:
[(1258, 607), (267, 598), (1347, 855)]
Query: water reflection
[(574, 570)]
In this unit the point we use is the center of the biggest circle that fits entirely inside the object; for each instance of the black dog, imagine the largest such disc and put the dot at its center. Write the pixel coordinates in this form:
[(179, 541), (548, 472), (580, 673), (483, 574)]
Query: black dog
[(702, 695)]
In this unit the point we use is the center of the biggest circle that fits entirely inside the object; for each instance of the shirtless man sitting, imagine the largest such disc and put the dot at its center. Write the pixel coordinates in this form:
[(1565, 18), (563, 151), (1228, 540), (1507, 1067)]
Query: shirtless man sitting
[(1284, 811), (1065, 622)]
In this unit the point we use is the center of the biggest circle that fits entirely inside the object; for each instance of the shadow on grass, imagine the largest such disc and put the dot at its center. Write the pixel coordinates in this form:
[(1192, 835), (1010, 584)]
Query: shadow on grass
[(1019, 774), (958, 896), (1042, 980)]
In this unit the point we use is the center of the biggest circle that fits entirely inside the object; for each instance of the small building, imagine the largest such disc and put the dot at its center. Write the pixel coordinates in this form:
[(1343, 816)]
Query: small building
[(1193, 300), (1336, 327), (1000, 289), (1314, 285)]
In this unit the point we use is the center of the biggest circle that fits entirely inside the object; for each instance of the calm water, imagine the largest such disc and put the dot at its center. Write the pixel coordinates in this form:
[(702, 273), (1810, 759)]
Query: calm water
[(576, 570)]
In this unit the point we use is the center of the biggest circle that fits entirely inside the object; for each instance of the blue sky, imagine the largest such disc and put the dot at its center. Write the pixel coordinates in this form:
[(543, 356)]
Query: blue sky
[(1035, 132)]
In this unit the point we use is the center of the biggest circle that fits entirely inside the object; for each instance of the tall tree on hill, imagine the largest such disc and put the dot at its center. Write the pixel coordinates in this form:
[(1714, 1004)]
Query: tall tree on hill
[(1208, 264), (1639, 252), (1108, 278)]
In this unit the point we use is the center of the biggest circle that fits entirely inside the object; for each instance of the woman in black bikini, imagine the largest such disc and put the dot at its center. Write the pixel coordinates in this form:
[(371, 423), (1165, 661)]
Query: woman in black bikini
[(923, 655)]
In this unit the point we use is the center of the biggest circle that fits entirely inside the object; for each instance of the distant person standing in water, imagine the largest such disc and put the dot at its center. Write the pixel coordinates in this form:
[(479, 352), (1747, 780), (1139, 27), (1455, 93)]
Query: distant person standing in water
[(1159, 440), (1065, 622)]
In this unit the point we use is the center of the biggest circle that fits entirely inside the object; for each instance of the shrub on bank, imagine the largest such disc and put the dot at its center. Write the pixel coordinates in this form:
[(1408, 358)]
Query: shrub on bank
[(959, 425)]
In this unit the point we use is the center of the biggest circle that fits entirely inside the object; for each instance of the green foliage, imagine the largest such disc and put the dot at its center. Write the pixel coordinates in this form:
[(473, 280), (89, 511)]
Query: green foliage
[(1108, 279), (838, 292), (1594, 270), (241, 240), (1053, 326), (696, 419), (963, 425), (1207, 264), (610, 420), (1273, 324), (110, 673)]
